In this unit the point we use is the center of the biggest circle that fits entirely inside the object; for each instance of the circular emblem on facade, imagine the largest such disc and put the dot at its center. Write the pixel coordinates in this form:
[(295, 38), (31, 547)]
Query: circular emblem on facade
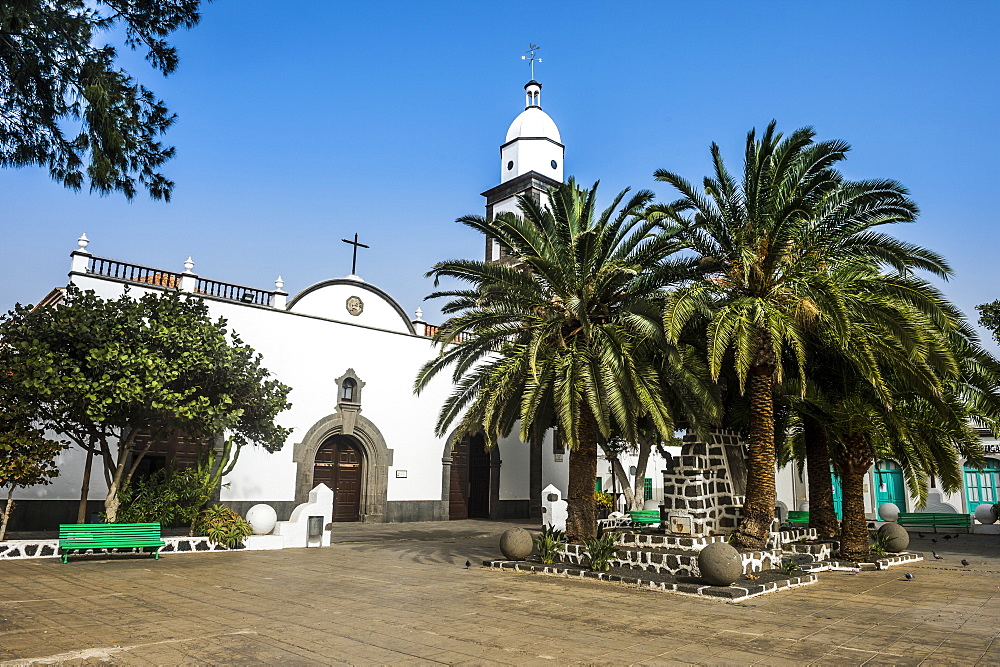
[(355, 305), (510, 165), (553, 163)]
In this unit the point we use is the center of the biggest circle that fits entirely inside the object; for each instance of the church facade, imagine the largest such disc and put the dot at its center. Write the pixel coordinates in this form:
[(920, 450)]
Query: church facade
[(350, 354)]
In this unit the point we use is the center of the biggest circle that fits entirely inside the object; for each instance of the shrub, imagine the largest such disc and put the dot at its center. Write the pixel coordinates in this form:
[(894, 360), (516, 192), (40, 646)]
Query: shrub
[(600, 551), (223, 526), (173, 496), (879, 541), (604, 499), (550, 544), (170, 496)]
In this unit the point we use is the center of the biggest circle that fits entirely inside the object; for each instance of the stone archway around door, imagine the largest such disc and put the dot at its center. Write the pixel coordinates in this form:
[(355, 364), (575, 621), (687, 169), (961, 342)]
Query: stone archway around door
[(374, 461)]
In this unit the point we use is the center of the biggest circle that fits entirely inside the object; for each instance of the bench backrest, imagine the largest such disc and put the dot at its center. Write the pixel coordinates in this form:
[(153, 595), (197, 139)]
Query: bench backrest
[(79, 532), (935, 517), (798, 516), (644, 514)]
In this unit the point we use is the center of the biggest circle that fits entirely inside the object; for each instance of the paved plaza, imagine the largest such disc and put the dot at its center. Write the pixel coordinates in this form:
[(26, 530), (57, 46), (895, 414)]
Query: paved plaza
[(400, 593)]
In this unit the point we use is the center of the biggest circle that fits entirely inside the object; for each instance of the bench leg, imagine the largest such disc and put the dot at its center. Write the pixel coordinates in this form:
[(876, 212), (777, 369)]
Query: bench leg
[(156, 553), (65, 557)]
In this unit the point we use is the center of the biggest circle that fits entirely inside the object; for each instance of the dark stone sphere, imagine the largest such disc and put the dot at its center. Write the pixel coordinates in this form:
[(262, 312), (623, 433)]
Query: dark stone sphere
[(720, 564), (515, 544), (895, 536)]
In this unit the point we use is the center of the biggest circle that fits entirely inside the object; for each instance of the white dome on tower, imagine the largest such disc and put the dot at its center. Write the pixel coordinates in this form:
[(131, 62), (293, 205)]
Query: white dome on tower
[(533, 122), (533, 143)]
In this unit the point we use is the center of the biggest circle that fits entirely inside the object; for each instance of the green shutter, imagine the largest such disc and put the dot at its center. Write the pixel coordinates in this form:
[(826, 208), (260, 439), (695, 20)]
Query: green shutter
[(647, 489), (597, 485)]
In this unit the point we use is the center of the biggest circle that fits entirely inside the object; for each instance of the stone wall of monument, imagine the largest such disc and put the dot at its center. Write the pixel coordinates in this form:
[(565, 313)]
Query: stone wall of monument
[(704, 486)]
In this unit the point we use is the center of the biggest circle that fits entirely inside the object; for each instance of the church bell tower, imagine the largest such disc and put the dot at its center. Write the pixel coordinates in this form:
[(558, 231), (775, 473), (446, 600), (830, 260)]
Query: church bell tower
[(531, 161)]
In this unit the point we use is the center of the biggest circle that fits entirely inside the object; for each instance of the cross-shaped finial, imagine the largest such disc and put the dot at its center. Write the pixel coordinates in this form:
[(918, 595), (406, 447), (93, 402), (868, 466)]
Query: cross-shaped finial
[(531, 58), (354, 260)]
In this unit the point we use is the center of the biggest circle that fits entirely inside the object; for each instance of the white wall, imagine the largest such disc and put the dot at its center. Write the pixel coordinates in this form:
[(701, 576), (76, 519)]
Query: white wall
[(308, 353)]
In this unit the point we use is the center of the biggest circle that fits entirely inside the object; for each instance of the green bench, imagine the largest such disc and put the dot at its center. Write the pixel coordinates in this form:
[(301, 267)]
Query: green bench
[(644, 517), (795, 516), (108, 536), (934, 520)]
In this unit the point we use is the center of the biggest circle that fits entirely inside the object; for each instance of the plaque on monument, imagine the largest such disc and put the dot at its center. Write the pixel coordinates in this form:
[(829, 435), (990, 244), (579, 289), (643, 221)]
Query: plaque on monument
[(736, 463)]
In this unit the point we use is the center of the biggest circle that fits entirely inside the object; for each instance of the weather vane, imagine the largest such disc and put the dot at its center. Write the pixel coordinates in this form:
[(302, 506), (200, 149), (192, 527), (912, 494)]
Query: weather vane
[(532, 59)]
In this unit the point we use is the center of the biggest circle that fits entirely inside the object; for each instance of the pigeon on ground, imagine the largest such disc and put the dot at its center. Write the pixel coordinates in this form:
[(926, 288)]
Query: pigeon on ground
[(909, 576), (936, 557), (956, 536), (965, 563), (934, 540), (468, 564), (947, 537), (920, 534)]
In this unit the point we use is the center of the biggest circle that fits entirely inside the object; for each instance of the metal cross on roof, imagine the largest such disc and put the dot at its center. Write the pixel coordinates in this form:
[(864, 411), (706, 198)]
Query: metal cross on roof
[(354, 260), (531, 58)]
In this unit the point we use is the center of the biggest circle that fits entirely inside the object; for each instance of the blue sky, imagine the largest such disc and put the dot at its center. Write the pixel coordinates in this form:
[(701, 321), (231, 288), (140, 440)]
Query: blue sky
[(302, 126)]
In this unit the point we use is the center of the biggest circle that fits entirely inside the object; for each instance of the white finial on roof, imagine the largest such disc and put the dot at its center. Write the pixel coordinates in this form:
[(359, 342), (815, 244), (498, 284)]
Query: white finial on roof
[(188, 264), (279, 284), (419, 314), (83, 242)]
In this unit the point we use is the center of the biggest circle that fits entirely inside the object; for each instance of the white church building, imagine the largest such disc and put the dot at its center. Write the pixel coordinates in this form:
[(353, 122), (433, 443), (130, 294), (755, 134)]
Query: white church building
[(350, 354)]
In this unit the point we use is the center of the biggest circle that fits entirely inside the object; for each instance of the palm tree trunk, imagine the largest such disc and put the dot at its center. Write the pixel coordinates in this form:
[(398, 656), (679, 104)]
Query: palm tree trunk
[(581, 520), (822, 516), (855, 544), (758, 510)]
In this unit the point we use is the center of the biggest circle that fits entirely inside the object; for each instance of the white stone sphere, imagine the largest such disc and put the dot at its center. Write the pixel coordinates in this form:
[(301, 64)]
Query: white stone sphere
[(984, 514), (651, 504), (804, 506), (262, 518), (888, 511)]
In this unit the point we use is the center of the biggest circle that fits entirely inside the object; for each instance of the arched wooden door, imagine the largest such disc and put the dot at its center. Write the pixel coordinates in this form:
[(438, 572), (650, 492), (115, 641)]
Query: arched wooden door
[(339, 466)]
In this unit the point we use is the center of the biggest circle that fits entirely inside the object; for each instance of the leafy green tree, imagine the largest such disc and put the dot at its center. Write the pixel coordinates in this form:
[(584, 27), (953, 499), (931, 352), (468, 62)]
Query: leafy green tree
[(66, 106), (989, 317), (101, 372), (27, 457), (564, 331), (777, 249)]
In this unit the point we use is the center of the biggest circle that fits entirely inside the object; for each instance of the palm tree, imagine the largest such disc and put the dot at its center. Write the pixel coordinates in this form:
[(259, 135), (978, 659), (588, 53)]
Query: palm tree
[(564, 332), (769, 248), (902, 384)]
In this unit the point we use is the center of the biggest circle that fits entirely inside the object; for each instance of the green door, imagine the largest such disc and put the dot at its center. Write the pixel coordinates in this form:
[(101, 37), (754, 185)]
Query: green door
[(981, 487), (838, 496), (889, 486)]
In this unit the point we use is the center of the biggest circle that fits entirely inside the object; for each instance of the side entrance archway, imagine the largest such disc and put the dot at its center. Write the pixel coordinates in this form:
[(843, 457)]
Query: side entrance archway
[(339, 465), (471, 489)]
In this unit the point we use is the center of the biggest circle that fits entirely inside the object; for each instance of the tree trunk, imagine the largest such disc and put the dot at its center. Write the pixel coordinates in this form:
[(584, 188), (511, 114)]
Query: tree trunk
[(581, 521), (856, 458), (822, 517), (6, 513), (81, 512), (758, 510), (639, 491), (626, 483)]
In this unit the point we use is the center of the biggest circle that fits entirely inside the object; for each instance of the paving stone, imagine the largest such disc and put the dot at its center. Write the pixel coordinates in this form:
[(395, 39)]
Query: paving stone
[(400, 593)]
